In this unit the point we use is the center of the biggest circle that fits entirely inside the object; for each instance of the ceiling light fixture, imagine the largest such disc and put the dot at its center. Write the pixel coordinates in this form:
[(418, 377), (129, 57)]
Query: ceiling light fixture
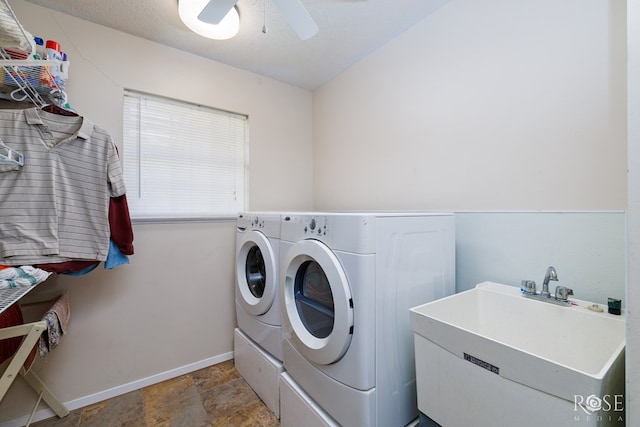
[(227, 28)]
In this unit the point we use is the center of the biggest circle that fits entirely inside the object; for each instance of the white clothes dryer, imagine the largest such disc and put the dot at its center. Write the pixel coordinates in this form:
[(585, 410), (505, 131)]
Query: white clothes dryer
[(258, 338), (348, 282)]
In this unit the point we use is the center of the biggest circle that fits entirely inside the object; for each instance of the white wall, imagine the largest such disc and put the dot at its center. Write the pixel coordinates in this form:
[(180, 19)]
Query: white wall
[(172, 307), (491, 105)]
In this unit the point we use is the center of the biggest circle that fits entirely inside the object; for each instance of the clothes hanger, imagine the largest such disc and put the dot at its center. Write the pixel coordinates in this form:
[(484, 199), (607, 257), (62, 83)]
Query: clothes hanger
[(22, 94), (56, 109), (60, 98)]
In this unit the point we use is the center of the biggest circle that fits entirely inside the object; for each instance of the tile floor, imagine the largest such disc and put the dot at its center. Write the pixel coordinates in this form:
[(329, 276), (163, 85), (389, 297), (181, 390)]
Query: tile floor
[(214, 397)]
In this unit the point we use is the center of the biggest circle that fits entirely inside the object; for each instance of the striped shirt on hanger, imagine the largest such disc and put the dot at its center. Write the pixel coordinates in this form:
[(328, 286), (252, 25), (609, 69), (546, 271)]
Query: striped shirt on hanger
[(55, 207)]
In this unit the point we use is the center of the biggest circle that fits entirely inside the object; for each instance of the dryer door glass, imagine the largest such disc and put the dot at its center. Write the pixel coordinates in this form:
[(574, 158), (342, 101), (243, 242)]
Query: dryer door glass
[(317, 318), (314, 299), (255, 272)]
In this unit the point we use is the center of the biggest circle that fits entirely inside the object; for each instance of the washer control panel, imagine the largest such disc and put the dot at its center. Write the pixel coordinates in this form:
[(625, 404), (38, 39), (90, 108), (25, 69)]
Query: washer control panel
[(250, 221), (257, 221)]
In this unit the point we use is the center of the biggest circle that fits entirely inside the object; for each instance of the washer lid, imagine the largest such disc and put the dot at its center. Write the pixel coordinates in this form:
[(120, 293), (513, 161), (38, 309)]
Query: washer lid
[(318, 305), (256, 277)]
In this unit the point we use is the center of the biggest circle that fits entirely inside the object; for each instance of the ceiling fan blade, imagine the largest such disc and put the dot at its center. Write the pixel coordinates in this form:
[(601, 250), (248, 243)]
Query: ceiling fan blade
[(298, 18), (215, 10)]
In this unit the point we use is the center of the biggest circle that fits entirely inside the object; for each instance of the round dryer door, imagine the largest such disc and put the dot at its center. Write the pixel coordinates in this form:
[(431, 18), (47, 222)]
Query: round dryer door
[(257, 280), (318, 303)]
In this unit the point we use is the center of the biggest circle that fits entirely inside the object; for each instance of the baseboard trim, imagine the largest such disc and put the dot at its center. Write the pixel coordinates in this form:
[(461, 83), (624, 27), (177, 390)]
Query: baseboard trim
[(122, 389)]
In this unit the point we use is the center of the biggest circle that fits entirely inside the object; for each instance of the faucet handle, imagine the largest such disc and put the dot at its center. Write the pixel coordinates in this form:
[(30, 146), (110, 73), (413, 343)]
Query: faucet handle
[(528, 287), (562, 293)]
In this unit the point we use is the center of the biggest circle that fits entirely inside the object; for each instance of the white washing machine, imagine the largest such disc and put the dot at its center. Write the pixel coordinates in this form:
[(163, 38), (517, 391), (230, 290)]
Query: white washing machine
[(258, 338), (258, 308), (348, 282)]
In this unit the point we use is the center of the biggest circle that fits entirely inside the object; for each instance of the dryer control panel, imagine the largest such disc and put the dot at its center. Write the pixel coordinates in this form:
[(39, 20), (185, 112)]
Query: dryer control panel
[(340, 231), (315, 225), (306, 226)]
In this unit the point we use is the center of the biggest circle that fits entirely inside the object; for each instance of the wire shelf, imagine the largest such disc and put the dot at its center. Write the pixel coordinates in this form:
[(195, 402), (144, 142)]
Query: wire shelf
[(41, 82), (9, 296), (31, 80)]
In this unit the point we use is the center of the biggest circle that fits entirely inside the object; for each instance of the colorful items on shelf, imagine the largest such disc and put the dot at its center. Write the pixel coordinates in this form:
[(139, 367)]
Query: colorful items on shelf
[(30, 80), (42, 78)]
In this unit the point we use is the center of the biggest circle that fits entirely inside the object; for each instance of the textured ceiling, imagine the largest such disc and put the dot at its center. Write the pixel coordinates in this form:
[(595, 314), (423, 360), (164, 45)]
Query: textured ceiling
[(349, 30)]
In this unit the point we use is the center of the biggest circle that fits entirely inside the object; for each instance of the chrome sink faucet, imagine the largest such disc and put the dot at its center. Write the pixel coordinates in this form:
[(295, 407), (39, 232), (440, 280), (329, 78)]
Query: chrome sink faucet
[(560, 297), (549, 275)]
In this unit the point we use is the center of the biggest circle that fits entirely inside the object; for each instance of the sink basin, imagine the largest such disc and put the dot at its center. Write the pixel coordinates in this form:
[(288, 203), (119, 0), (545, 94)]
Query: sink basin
[(570, 353)]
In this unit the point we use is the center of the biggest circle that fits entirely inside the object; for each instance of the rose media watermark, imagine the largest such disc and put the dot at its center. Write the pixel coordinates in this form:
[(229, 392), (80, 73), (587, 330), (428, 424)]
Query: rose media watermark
[(609, 407)]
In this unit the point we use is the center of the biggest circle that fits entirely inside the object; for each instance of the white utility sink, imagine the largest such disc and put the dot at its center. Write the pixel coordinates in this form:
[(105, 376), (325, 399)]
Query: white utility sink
[(518, 354)]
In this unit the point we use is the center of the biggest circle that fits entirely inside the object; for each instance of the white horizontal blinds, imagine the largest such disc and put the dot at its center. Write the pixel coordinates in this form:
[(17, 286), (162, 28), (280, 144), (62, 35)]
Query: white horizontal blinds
[(182, 160)]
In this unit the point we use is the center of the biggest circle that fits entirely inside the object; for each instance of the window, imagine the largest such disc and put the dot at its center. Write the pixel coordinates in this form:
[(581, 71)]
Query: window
[(182, 160)]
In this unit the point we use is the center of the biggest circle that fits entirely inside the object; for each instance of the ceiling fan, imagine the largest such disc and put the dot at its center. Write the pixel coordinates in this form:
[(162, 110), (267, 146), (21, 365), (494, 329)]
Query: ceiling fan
[(293, 11)]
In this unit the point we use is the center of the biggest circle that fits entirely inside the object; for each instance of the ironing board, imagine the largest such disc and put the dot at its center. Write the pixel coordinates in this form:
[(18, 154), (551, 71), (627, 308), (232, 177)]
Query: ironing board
[(15, 365)]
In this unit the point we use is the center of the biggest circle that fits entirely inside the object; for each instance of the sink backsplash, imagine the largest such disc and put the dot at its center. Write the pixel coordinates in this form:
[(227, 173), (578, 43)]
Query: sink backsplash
[(587, 248)]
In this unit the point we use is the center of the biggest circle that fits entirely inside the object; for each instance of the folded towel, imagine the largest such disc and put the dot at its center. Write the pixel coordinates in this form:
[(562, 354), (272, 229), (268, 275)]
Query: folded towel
[(57, 319), (26, 275)]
